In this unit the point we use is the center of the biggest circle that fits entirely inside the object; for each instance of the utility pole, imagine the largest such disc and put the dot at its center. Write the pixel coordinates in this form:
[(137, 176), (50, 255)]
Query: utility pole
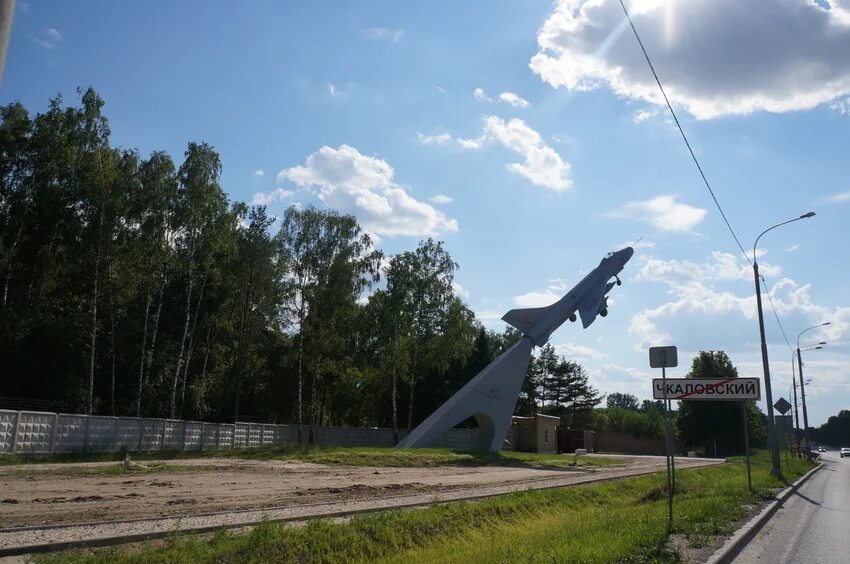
[(772, 439)]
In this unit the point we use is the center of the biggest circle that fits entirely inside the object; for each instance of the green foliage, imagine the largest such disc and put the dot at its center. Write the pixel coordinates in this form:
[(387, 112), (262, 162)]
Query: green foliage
[(131, 285), (622, 401), (640, 424), (709, 424), (835, 432)]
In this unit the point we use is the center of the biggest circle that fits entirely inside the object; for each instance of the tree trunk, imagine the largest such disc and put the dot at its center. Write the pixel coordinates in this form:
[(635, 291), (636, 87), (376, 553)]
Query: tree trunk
[(156, 315), (300, 360), (93, 332), (202, 386), (112, 351), (142, 356), (9, 263), (313, 399), (412, 387), (191, 347), (410, 405), (179, 362), (395, 389)]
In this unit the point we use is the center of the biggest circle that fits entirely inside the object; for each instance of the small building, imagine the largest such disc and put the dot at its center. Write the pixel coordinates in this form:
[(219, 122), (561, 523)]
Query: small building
[(536, 434)]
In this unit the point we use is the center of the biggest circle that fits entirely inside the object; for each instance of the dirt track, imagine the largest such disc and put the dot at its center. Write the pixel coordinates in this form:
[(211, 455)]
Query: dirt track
[(68, 494)]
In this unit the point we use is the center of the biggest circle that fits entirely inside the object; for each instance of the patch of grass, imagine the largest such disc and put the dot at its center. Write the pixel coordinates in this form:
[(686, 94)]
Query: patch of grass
[(356, 456), (618, 521)]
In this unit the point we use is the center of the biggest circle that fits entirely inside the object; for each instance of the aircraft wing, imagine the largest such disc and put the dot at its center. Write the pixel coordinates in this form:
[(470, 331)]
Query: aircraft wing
[(590, 304)]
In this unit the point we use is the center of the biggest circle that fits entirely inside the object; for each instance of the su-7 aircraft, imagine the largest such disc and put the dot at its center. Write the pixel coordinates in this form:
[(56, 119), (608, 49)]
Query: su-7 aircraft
[(589, 297), (492, 394)]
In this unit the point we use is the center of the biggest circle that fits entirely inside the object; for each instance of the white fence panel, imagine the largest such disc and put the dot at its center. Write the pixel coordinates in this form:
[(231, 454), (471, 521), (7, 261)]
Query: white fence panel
[(240, 435), (193, 435), (70, 433), (226, 435), (209, 436), (173, 436), (7, 429), (152, 430), (101, 435), (35, 431), (127, 433)]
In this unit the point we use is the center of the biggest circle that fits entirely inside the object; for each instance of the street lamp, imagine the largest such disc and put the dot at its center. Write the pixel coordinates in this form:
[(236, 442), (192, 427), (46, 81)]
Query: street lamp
[(772, 439), (802, 385)]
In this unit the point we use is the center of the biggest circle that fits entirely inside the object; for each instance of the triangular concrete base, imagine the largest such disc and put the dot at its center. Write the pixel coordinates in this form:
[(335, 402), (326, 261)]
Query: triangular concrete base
[(490, 397)]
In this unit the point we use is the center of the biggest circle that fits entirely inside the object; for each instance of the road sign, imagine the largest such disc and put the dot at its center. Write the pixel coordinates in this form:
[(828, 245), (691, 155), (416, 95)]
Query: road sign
[(734, 389), (783, 423), (663, 357), (782, 406)]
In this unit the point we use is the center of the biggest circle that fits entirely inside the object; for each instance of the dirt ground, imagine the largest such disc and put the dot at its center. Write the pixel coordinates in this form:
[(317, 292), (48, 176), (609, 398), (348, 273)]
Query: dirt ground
[(54, 494)]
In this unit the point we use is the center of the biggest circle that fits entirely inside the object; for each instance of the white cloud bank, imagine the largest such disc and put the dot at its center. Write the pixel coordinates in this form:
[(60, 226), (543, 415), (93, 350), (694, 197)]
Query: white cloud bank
[(715, 57), (543, 166), (514, 100), (662, 212), (350, 182), (700, 315)]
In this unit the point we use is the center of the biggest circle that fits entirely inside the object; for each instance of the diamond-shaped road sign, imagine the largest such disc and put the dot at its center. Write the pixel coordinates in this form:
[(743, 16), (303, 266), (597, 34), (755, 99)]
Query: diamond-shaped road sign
[(782, 406)]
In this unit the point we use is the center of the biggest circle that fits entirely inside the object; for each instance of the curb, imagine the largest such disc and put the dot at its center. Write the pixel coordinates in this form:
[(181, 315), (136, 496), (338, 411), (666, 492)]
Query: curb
[(742, 537)]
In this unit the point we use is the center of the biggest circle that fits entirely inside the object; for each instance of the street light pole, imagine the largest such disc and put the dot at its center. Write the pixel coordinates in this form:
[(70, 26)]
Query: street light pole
[(772, 439), (803, 388)]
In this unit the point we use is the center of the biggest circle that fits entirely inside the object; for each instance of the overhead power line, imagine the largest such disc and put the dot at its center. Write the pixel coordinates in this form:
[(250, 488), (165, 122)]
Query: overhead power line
[(682, 131), (776, 315)]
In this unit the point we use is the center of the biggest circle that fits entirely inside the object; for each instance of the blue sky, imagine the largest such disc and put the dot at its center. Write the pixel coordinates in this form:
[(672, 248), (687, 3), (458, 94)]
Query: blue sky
[(527, 135)]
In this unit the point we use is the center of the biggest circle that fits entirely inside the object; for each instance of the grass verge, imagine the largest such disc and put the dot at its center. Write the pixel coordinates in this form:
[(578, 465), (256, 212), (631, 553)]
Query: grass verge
[(356, 456), (618, 521)]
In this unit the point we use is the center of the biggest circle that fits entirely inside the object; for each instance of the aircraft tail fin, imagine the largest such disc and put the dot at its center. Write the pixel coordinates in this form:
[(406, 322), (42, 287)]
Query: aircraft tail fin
[(523, 319)]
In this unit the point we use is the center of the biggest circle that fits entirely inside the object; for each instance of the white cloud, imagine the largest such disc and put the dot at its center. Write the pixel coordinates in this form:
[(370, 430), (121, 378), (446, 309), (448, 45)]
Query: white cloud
[(702, 316), (543, 166), (441, 199), (259, 172), (350, 182), (537, 299), (331, 89), (513, 99), (842, 106), (573, 351), (715, 57), (460, 291), (663, 212), (724, 266), (267, 198), (439, 139), (52, 34), (491, 319), (840, 198), (382, 33), (440, 89), (792, 248), (48, 38), (472, 143), (480, 95), (644, 115)]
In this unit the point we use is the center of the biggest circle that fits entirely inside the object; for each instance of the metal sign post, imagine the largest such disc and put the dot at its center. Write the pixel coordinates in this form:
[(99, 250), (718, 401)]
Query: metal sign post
[(662, 357), (747, 444), (702, 389)]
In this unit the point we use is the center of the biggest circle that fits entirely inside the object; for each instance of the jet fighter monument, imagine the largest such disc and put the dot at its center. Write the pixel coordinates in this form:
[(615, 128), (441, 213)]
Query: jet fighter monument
[(492, 394)]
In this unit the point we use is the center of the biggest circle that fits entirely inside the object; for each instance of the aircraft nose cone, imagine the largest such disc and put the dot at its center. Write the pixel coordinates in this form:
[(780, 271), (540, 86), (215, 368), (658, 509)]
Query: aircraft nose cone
[(626, 254)]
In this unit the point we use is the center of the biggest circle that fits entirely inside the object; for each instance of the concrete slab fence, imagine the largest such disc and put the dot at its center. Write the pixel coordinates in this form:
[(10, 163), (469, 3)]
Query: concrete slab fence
[(36, 432)]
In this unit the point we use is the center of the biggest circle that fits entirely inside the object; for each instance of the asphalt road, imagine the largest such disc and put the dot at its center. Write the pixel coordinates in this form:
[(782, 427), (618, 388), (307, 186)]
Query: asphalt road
[(813, 525)]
